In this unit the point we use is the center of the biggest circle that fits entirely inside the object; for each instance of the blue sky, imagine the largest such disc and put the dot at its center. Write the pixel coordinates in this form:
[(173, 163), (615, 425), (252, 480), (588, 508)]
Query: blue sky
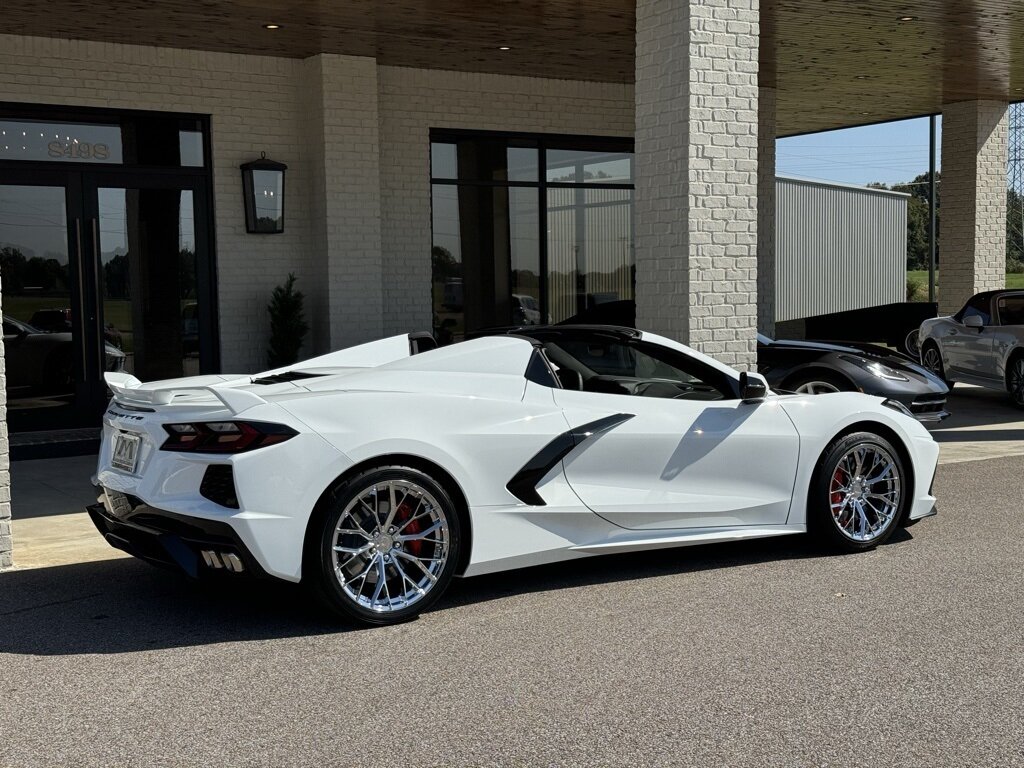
[(890, 153)]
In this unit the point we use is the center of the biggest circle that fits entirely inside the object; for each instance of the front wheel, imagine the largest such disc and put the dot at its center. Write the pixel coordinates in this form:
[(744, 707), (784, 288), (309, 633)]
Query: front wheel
[(818, 383), (858, 492), (931, 359), (388, 547)]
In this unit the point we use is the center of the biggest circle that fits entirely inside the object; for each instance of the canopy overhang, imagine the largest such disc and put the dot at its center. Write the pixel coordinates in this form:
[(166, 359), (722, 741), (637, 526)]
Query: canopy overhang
[(835, 63)]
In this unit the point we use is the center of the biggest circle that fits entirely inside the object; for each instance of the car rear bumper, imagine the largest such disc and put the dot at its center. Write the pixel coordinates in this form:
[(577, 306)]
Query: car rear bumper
[(195, 546)]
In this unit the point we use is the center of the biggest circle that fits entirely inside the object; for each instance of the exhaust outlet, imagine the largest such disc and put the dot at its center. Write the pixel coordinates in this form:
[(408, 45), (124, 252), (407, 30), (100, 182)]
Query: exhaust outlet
[(229, 561)]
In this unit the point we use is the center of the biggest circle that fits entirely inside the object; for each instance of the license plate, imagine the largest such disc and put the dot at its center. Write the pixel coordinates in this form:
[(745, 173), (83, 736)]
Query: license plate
[(126, 452)]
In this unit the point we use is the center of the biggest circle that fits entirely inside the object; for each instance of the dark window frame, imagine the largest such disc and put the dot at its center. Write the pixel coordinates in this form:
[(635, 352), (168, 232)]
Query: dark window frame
[(542, 142)]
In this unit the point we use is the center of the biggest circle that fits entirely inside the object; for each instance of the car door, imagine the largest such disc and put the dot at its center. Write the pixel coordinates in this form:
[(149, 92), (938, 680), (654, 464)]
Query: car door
[(701, 459), (969, 350), (1006, 331)]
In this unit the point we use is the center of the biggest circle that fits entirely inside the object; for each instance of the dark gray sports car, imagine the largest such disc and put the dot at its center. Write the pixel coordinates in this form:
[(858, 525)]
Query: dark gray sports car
[(817, 367)]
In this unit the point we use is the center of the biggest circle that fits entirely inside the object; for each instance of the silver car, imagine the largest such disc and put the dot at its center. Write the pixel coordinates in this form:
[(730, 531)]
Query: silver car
[(981, 344)]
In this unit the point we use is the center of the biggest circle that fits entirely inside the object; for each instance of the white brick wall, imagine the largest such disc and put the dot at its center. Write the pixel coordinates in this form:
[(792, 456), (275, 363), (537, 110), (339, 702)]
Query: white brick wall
[(696, 170), (412, 101), (766, 105), (972, 254), (256, 105)]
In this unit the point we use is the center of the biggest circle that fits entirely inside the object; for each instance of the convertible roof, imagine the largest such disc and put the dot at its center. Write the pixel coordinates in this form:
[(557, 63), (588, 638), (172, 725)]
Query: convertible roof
[(561, 331)]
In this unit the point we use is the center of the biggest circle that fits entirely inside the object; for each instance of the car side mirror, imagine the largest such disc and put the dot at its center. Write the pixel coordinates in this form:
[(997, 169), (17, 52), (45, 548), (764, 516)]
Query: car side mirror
[(973, 321), (753, 387)]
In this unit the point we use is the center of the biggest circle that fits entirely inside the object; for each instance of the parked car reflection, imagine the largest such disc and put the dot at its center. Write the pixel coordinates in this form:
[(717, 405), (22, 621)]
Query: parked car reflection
[(56, 320), (42, 363)]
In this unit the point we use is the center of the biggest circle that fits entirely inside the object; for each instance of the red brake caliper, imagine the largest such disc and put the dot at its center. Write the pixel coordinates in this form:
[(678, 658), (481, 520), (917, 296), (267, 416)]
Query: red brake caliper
[(407, 528), (837, 482)]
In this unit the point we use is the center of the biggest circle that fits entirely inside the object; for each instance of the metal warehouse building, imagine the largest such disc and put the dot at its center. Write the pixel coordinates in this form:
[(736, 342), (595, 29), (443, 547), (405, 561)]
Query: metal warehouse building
[(839, 247), (443, 162)]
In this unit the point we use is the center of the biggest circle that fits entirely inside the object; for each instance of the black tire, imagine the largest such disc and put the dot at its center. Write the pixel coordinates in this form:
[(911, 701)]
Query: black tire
[(912, 344), (1015, 380), (934, 364), (821, 521), (819, 377), (386, 553)]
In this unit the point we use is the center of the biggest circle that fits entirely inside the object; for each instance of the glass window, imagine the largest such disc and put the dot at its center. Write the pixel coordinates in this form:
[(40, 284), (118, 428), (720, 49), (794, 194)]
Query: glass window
[(148, 280), (585, 167), (646, 370), (133, 140), (590, 248), (190, 148), (485, 258), (474, 159), (60, 142), (1011, 310), (510, 250), (977, 306), (444, 163)]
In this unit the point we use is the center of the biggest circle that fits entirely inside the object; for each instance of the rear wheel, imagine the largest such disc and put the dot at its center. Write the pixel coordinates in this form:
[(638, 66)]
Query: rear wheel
[(1015, 380), (912, 344), (858, 492), (931, 359), (388, 547)]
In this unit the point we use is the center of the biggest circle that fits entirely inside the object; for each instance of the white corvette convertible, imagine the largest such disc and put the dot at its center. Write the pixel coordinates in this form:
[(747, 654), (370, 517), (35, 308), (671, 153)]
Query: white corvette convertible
[(377, 473)]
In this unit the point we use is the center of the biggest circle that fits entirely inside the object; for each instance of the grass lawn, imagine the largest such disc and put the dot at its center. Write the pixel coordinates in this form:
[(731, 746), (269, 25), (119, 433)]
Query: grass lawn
[(921, 276)]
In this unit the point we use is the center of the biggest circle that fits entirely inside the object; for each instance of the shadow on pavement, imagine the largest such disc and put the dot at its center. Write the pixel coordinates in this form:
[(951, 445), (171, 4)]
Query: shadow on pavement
[(124, 605)]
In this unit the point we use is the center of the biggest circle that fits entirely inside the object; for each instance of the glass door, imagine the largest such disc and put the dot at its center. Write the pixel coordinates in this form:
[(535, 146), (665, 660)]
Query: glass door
[(46, 351), (149, 242)]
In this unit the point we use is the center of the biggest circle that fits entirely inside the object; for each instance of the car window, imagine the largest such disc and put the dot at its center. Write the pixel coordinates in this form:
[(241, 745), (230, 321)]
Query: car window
[(977, 306), (1011, 309), (634, 368)]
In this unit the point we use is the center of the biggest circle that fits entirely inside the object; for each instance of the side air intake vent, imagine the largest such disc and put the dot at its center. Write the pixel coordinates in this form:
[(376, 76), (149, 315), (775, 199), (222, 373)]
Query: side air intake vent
[(219, 486), (281, 378)]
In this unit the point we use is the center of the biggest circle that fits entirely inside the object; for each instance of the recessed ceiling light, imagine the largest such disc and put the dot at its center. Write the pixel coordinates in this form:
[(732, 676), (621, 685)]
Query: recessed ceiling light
[(271, 26), (908, 18), (865, 113), (504, 48)]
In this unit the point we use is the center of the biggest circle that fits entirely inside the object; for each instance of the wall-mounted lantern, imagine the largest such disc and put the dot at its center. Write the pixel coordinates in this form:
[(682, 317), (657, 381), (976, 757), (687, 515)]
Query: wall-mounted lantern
[(263, 190)]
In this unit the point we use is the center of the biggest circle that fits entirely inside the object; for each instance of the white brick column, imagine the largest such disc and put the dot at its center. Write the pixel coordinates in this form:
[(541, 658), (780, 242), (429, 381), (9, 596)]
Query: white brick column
[(343, 131), (696, 173), (972, 199), (766, 100)]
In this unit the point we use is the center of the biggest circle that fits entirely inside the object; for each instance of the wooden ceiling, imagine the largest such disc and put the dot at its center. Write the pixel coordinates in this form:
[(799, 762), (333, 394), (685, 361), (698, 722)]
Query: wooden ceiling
[(835, 62)]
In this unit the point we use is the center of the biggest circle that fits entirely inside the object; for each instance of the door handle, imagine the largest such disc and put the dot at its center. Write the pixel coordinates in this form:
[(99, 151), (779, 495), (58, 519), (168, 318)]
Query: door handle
[(80, 255), (101, 341)]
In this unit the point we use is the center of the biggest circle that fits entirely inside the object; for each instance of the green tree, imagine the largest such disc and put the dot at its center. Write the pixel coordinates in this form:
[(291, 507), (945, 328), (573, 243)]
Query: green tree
[(288, 325)]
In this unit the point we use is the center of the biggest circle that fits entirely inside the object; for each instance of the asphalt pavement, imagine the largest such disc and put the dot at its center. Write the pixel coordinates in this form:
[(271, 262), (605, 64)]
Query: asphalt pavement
[(754, 654)]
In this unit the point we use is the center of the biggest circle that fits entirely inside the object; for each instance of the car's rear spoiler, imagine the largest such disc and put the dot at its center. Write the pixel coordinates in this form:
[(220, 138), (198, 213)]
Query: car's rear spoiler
[(126, 389)]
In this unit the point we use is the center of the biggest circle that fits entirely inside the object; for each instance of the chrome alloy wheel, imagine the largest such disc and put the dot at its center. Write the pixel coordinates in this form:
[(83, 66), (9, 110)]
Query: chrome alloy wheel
[(390, 545), (1016, 382), (864, 494), (816, 388), (932, 360)]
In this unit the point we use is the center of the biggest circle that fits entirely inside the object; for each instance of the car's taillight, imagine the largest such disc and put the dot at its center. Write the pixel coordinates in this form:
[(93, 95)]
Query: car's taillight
[(224, 436)]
